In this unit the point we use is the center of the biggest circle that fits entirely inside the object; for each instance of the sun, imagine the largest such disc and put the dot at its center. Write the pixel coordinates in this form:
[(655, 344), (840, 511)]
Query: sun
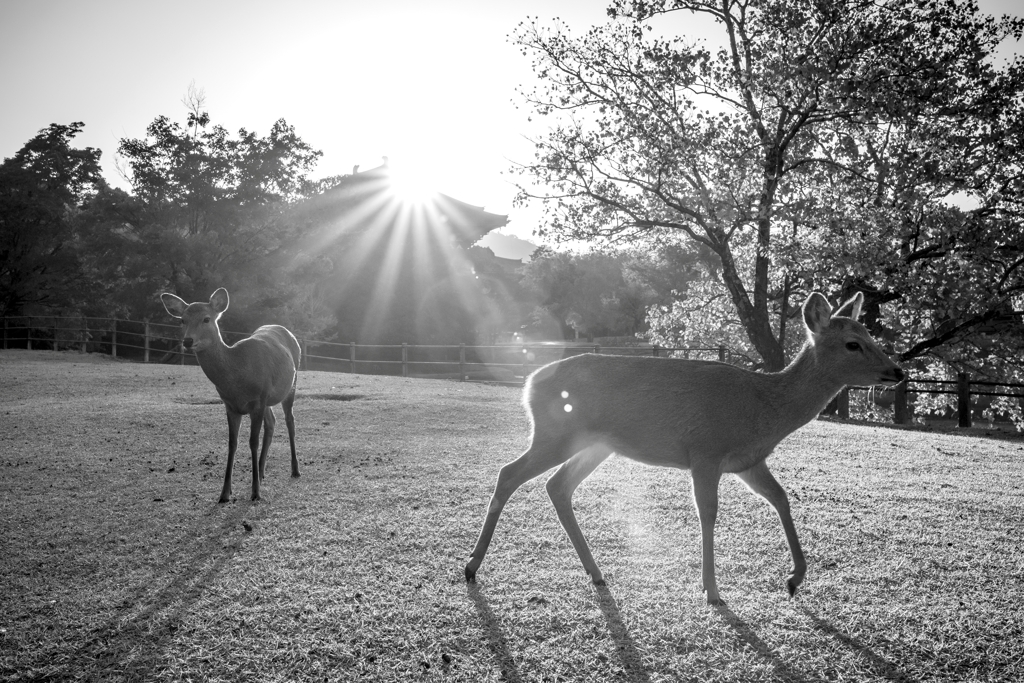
[(411, 183)]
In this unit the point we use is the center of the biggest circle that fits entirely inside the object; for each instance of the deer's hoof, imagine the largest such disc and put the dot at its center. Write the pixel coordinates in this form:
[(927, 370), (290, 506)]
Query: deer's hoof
[(791, 586), (295, 475), (715, 599), (470, 575), (598, 581)]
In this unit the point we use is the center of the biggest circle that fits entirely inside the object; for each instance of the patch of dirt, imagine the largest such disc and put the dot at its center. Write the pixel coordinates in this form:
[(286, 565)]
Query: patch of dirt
[(332, 397), (198, 401)]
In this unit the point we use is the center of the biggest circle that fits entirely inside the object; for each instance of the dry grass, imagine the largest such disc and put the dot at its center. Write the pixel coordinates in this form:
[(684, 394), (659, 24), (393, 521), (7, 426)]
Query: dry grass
[(118, 564)]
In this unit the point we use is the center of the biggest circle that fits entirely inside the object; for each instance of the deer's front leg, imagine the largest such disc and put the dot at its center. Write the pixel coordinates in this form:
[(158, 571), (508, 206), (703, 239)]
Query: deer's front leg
[(256, 417), (289, 420), (760, 480), (234, 422), (268, 436), (705, 497)]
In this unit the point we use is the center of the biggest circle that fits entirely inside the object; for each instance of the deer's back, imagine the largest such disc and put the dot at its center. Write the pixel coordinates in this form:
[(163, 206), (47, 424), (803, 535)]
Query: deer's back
[(279, 338), (657, 410), (260, 367)]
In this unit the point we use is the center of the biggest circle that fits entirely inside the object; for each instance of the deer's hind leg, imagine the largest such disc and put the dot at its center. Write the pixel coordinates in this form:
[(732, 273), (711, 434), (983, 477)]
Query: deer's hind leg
[(542, 455), (268, 437), (561, 486), (760, 480), (289, 420)]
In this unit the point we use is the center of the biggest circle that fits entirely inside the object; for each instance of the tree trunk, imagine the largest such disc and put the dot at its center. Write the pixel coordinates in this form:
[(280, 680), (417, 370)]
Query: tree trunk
[(755, 321)]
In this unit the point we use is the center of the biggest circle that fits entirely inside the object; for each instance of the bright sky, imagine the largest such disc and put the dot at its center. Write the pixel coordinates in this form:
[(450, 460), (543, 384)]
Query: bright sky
[(427, 83)]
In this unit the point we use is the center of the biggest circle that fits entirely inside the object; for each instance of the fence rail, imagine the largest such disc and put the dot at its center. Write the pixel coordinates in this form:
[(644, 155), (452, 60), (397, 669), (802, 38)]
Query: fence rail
[(961, 387), (160, 342), (506, 363)]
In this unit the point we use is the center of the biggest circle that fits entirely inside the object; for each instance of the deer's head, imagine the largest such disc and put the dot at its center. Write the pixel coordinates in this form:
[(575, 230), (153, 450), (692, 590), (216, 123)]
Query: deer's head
[(844, 347), (199, 329)]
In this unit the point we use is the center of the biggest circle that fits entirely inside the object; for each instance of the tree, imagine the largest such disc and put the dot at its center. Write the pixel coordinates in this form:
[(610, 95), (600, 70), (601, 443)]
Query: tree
[(209, 210), (42, 191), (751, 150), (598, 293)]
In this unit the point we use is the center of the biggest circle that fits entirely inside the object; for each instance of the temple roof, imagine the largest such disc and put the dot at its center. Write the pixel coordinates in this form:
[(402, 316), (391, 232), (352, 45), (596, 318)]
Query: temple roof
[(357, 197)]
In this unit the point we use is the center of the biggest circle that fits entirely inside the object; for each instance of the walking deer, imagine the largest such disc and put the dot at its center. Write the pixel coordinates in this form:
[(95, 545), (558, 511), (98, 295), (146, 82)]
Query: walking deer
[(710, 418), (251, 377)]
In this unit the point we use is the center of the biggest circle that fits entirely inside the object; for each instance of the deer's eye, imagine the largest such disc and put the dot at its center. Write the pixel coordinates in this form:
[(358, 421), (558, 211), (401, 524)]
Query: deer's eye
[(206, 319), (852, 346)]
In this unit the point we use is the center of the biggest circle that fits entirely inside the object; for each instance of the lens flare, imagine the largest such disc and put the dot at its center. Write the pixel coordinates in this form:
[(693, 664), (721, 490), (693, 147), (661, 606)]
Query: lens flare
[(411, 185)]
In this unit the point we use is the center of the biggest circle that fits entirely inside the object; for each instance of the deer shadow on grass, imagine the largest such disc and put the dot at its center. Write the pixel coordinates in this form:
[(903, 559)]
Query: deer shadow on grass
[(747, 635), (131, 646), (496, 640), (879, 664), (629, 657)]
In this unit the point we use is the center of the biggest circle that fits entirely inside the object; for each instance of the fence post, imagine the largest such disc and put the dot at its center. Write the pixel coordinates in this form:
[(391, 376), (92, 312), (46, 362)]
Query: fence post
[(352, 357), (901, 408), (655, 350), (28, 334), (304, 353), (5, 332), (526, 360), (405, 359), (721, 359), (963, 399), (597, 348), (113, 343), (55, 334), (462, 362), (145, 343), (843, 403)]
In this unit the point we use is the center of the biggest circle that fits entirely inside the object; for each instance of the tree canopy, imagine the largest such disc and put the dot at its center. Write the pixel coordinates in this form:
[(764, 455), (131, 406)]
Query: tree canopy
[(839, 146), (43, 189), (208, 209)]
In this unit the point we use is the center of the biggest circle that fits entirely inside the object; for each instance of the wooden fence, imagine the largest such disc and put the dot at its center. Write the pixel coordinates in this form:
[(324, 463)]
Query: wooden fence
[(506, 363), (160, 342), (963, 387)]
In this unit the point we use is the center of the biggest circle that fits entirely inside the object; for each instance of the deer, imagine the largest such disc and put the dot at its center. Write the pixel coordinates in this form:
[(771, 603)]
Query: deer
[(710, 418), (251, 377)]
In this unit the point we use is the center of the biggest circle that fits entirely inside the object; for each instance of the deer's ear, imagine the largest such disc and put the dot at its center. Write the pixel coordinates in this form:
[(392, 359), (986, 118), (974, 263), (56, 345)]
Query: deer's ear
[(175, 306), (220, 300), (851, 309), (817, 313)]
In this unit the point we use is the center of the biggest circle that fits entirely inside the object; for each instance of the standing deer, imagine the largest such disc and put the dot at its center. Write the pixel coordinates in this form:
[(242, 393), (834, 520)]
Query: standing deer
[(251, 377), (707, 417)]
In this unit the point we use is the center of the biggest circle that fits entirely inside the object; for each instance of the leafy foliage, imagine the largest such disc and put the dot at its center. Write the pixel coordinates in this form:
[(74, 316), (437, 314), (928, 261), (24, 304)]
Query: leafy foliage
[(820, 147), (209, 210), (43, 188), (601, 293)]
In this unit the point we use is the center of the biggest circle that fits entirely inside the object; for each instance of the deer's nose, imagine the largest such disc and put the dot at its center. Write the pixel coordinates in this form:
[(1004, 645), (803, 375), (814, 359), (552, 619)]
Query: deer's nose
[(187, 342), (899, 374)]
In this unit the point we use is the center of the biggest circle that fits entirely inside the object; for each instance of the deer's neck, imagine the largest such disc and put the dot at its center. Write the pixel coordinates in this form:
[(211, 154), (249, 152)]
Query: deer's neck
[(216, 360), (805, 387)]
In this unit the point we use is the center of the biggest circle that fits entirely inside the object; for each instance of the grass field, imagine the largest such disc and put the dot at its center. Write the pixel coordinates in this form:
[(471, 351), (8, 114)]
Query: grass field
[(117, 563)]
